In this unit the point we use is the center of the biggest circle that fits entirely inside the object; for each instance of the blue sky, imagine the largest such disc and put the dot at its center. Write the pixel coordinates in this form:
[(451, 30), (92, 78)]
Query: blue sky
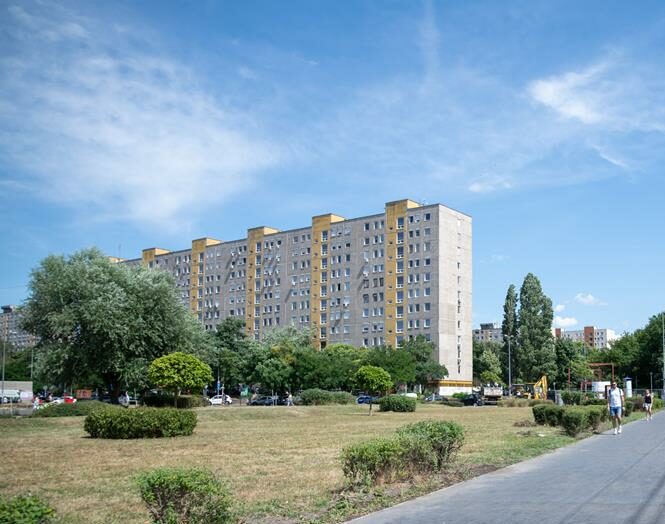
[(128, 125)]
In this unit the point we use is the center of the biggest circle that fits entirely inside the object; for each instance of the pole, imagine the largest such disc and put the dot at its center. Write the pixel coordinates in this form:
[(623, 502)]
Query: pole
[(32, 363), (510, 373), (651, 380)]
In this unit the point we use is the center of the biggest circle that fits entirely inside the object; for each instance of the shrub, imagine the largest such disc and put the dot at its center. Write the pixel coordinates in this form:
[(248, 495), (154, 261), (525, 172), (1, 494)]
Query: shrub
[(446, 438), (78, 409), (571, 398), (594, 402), (513, 403), (638, 403), (316, 397), (539, 413), (575, 420), (553, 414), (629, 406), (165, 400), (194, 496), (452, 403), (119, 423), (657, 403), (596, 415), (459, 396), (24, 509), (343, 397), (397, 403)]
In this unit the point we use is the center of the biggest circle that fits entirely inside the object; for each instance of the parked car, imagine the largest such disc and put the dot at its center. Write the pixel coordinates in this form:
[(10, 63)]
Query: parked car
[(63, 400), (264, 401), (410, 394), (434, 397), (127, 401), (472, 399), (367, 399), (219, 400)]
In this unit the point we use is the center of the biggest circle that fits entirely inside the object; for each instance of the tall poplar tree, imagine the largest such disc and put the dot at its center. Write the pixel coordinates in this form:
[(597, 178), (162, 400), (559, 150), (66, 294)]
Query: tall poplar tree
[(535, 355), (509, 329)]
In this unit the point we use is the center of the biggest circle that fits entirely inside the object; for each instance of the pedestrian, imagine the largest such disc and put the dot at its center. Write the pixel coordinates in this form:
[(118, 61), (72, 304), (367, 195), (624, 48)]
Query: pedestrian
[(289, 400), (648, 404), (615, 406)]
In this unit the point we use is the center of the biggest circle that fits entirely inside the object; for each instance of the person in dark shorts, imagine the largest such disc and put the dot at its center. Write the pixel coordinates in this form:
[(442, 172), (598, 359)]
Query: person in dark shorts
[(648, 404)]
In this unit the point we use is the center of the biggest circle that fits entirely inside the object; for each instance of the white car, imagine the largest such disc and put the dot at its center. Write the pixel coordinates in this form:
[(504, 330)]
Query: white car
[(219, 400)]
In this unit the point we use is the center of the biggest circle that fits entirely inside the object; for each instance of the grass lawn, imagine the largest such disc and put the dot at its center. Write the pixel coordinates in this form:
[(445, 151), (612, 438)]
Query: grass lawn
[(279, 461)]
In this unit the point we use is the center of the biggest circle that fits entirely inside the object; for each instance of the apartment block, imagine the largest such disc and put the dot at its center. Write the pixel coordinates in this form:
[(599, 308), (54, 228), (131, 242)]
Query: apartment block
[(488, 333), (367, 281), (10, 329), (592, 337)]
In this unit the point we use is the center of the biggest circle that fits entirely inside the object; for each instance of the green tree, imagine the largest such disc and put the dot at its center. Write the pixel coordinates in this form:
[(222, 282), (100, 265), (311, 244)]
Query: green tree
[(509, 331), (399, 363), (96, 318), (17, 364), (177, 372), (373, 380), (535, 354), (229, 351), (569, 354), (486, 362), (427, 368)]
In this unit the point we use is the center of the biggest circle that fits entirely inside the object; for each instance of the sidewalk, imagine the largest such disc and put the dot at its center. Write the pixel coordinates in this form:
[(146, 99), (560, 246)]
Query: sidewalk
[(604, 479)]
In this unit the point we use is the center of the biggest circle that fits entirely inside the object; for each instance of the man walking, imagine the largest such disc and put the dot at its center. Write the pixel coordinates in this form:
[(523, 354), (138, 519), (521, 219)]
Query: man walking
[(615, 406)]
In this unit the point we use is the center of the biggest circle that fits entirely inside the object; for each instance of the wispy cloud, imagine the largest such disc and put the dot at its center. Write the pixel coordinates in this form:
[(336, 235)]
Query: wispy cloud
[(588, 299), (118, 128), (559, 308), (564, 322)]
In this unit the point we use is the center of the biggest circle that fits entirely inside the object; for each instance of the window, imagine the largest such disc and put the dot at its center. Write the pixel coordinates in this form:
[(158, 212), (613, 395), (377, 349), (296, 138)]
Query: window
[(428, 292), (427, 323), (428, 216), (400, 222)]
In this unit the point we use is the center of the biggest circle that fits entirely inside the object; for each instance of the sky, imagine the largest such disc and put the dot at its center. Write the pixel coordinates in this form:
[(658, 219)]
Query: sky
[(127, 125)]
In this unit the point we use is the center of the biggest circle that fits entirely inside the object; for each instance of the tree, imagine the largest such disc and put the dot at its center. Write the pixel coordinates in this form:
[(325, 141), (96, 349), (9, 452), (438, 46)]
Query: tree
[(17, 365), (569, 354), (96, 318), (179, 372), (509, 330), (427, 368), (398, 363), (373, 380), (486, 362), (534, 355), (229, 349)]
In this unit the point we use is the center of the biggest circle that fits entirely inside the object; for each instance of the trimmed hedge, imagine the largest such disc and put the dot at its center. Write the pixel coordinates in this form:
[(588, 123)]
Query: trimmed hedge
[(164, 400), (446, 438), (195, 496), (81, 408), (513, 403), (398, 403), (575, 420), (553, 414), (628, 408), (419, 448), (658, 403), (321, 397), (539, 415), (24, 509), (118, 423)]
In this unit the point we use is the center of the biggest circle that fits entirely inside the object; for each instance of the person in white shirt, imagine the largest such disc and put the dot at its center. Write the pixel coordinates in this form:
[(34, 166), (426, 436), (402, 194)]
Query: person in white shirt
[(615, 406)]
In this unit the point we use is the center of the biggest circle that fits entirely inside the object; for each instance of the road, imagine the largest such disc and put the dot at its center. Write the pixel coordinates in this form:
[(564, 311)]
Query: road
[(604, 479)]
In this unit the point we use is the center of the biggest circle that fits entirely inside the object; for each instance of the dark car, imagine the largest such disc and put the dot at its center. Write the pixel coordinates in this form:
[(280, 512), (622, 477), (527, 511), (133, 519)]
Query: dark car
[(268, 401), (472, 399), (434, 397), (367, 399)]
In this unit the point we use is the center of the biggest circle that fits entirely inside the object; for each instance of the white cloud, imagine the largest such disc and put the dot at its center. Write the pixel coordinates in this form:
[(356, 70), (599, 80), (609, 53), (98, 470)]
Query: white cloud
[(499, 258), (571, 94), (128, 134), (488, 184), (588, 300), (559, 308), (564, 322)]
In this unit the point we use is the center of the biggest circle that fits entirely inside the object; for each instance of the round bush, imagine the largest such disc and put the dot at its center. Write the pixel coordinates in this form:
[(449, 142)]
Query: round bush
[(446, 438), (194, 495), (78, 409), (575, 420), (539, 414), (628, 407), (343, 397), (397, 403), (119, 423), (553, 414), (24, 509)]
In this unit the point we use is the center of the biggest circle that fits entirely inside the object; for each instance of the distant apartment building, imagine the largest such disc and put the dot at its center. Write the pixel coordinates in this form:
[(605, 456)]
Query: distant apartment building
[(367, 281), (10, 329), (488, 333), (592, 337)]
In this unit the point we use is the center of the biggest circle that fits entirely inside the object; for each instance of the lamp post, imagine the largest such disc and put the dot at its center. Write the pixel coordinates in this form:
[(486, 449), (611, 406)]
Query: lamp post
[(662, 319), (651, 380), (4, 351)]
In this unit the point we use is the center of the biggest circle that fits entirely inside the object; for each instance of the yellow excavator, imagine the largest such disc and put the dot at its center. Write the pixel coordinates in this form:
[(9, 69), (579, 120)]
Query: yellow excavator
[(536, 390)]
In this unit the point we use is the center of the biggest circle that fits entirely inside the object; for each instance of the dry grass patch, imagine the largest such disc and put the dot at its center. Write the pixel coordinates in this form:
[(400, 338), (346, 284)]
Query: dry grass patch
[(279, 461)]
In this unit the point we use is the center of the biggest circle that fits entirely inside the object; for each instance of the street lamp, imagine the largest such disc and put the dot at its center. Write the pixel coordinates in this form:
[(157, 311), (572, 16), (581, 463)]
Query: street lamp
[(4, 353)]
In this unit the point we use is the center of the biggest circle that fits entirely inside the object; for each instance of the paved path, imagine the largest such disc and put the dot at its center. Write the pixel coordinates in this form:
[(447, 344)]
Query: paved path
[(603, 479)]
